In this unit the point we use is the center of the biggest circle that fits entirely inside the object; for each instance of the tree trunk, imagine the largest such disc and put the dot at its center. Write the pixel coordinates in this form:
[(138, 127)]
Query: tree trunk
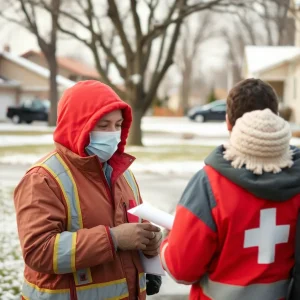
[(186, 87), (53, 91), (185, 92), (135, 134)]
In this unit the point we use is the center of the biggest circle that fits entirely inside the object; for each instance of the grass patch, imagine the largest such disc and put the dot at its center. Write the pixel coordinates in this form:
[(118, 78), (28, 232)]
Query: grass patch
[(157, 153), (172, 153), (24, 133), (25, 149)]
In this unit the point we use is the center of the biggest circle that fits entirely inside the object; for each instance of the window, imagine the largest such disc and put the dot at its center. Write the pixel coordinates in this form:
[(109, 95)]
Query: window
[(220, 107)]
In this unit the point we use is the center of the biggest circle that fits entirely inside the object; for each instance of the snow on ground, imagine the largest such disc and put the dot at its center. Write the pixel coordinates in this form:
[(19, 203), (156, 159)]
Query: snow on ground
[(184, 125), (11, 264), (157, 124), (16, 140), (168, 167), (161, 167), (35, 127), (47, 139)]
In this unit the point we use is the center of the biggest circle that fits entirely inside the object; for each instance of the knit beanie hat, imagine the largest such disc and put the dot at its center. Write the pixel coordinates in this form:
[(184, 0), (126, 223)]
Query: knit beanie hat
[(260, 141)]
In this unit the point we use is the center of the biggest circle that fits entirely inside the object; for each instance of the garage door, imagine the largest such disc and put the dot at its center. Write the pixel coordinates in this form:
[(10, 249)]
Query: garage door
[(6, 99)]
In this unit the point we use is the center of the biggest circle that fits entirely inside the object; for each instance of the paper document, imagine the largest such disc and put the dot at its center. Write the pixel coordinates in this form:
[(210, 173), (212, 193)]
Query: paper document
[(152, 265), (153, 215), (161, 218)]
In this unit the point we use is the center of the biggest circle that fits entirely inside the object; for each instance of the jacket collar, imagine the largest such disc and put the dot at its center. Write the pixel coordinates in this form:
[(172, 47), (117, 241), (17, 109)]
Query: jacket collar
[(91, 164)]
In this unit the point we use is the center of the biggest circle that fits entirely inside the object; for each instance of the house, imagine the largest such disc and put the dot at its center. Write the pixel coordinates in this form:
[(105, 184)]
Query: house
[(70, 68), (22, 79), (280, 66)]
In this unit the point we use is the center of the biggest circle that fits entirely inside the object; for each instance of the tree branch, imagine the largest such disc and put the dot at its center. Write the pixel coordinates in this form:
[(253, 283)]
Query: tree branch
[(99, 36), (152, 6), (54, 15), (136, 22), (70, 16), (102, 72), (161, 51), (159, 74), (158, 30), (186, 11), (113, 14), (73, 34)]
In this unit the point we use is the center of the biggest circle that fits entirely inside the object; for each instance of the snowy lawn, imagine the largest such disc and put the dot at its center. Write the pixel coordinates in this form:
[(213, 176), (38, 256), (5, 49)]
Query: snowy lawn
[(160, 159), (11, 263)]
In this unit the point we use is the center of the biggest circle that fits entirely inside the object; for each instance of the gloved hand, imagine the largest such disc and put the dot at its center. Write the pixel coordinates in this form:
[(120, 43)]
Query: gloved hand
[(133, 236), (153, 283), (152, 248)]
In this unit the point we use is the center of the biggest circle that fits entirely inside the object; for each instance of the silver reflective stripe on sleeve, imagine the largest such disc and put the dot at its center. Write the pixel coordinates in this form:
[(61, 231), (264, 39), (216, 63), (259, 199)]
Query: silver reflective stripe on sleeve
[(62, 174), (266, 291), (142, 279), (131, 182), (32, 292), (114, 290), (64, 253)]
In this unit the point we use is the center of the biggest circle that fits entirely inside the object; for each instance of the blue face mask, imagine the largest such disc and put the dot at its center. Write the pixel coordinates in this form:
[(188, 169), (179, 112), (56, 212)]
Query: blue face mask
[(103, 144)]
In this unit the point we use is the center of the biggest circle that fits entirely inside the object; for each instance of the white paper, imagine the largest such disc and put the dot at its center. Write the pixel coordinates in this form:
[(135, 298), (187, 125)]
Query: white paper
[(152, 265), (153, 215), (161, 218)]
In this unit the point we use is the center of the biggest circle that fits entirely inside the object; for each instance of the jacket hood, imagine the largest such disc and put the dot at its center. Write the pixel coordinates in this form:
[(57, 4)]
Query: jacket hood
[(80, 108), (276, 187)]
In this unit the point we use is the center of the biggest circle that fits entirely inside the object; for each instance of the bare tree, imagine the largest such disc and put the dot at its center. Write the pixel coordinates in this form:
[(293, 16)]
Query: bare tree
[(24, 13), (261, 22), (144, 44), (188, 51)]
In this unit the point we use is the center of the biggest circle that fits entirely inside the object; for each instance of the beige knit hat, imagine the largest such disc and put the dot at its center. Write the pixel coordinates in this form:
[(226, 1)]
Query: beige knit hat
[(260, 142)]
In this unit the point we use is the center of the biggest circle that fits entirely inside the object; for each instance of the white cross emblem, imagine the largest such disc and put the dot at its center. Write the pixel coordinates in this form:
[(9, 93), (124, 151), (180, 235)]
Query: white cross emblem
[(266, 236)]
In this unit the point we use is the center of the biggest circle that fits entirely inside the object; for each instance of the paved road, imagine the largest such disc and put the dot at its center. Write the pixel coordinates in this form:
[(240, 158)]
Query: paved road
[(159, 190)]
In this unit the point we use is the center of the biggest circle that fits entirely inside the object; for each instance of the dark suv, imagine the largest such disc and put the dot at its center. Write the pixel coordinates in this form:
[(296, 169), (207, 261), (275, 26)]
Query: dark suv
[(29, 111), (214, 111)]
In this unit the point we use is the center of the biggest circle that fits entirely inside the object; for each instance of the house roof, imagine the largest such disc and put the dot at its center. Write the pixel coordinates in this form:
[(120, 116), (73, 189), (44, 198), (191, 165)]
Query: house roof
[(71, 64), (25, 63), (263, 58)]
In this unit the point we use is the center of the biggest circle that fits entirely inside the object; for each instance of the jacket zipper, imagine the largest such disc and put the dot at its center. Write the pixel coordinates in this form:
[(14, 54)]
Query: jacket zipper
[(125, 213), (107, 188)]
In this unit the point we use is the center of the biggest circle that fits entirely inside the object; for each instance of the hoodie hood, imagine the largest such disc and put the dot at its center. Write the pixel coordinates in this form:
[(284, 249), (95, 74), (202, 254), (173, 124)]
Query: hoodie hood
[(80, 108), (275, 187)]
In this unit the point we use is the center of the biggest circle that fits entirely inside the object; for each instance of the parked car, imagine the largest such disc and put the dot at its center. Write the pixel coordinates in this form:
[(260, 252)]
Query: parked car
[(29, 111), (214, 111)]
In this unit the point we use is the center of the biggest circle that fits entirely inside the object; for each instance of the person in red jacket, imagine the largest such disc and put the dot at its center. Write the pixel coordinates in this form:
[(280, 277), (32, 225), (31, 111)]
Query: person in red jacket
[(77, 239), (234, 231)]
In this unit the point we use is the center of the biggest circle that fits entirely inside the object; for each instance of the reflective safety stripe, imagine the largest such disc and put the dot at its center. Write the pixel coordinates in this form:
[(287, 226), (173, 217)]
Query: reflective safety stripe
[(114, 290), (65, 243), (64, 252), (266, 291), (33, 292), (142, 280), (132, 184), (64, 178)]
